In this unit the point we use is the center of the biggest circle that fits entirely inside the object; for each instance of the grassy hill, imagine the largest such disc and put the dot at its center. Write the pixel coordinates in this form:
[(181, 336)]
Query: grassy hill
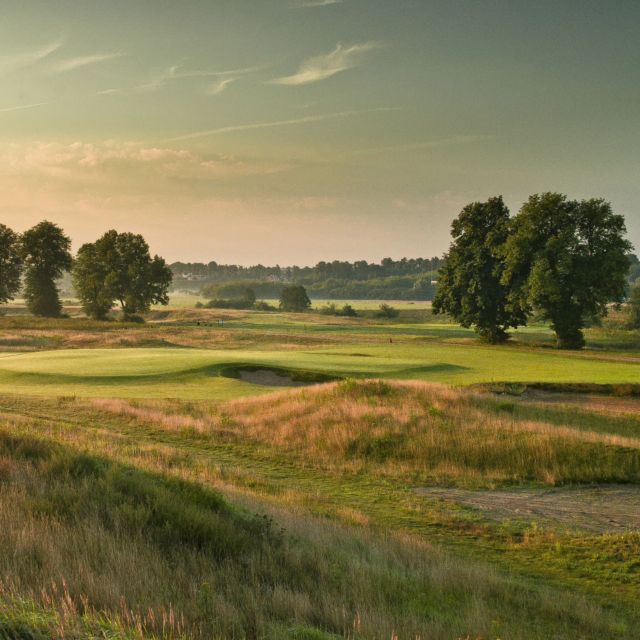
[(265, 518)]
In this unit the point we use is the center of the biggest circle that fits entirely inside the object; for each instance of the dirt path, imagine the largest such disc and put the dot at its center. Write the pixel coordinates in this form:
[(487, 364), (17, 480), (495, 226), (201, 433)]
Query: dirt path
[(585, 401), (598, 509)]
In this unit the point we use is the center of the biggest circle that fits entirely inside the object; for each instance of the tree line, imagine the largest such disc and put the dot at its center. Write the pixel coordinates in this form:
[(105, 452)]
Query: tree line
[(337, 269), (404, 279), (117, 267), (409, 287), (563, 260)]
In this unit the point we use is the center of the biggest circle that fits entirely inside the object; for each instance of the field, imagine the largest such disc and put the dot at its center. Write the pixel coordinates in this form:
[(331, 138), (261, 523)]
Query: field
[(227, 474)]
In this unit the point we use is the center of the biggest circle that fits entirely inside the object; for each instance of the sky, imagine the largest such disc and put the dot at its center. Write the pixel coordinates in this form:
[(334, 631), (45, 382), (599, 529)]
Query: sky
[(293, 131)]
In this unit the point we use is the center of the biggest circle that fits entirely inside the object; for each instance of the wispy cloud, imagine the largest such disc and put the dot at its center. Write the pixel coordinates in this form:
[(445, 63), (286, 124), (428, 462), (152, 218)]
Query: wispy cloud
[(427, 144), (318, 3), (69, 64), (173, 73), (23, 106), (276, 123), (13, 62), (219, 86), (327, 65)]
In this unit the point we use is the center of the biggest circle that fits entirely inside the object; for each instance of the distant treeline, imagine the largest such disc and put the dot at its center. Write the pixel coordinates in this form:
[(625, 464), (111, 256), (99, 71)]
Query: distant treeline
[(405, 279)]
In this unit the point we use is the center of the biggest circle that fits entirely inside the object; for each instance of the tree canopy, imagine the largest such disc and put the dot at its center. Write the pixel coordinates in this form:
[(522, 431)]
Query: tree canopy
[(470, 286), (568, 259), (89, 281), (10, 264), (295, 299), (46, 253), (118, 267)]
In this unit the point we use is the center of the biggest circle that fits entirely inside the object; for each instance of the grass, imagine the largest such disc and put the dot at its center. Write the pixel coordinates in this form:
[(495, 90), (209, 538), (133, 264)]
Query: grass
[(146, 492), (162, 372), (107, 528)]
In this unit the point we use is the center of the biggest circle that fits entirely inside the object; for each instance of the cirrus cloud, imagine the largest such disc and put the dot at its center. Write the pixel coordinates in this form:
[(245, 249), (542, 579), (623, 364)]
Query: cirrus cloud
[(16, 61), (327, 65), (69, 64)]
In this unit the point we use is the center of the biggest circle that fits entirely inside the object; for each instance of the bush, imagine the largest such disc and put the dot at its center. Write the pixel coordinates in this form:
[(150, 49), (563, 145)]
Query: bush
[(387, 311), (331, 310), (261, 305), (348, 311)]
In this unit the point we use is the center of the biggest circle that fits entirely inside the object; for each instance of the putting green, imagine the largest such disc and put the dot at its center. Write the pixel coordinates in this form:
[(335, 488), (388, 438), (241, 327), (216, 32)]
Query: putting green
[(195, 373)]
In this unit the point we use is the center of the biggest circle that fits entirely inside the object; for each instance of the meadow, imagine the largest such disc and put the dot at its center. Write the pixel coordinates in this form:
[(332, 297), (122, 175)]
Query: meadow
[(160, 480)]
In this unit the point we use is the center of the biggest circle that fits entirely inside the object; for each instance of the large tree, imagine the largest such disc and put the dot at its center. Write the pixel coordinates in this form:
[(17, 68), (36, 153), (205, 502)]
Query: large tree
[(10, 264), (567, 259), (89, 281), (470, 284), (118, 267), (46, 254)]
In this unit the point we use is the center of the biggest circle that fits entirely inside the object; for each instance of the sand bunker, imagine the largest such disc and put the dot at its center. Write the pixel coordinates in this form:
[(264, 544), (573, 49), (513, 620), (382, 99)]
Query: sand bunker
[(275, 377), (270, 378)]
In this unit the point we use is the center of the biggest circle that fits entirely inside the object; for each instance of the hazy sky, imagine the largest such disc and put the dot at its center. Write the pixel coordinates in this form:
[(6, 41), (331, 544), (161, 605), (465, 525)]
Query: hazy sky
[(292, 131)]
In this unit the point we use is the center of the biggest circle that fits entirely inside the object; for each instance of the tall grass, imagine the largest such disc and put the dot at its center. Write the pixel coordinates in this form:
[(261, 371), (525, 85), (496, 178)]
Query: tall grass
[(92, 548), (416, 431)]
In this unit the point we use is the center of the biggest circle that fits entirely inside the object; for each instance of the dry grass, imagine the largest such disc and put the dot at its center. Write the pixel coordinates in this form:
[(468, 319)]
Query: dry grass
[(21, 334), (90, 548), (418, 431)]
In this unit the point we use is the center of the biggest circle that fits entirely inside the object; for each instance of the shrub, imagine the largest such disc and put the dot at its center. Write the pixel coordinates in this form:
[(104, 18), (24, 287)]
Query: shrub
[(387, 311), (261, 305), (348, 311)]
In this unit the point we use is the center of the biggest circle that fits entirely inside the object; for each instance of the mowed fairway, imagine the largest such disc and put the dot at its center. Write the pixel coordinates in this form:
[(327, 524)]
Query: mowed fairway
[(196, 373)]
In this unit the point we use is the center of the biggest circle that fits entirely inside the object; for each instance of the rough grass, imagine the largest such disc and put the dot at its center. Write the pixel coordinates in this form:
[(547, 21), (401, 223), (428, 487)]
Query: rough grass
[(418, 432), (93, 548)]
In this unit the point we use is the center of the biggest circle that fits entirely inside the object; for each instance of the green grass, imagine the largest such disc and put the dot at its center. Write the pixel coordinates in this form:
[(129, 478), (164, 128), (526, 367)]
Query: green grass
[(194, 373)]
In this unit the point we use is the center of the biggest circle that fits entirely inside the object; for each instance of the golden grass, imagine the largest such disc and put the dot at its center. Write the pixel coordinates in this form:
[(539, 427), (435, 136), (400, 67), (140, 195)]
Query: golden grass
[(83, 571), (414, 430)]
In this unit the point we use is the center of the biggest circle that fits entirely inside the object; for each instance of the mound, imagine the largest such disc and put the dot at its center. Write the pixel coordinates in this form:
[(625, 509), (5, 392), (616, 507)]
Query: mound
[(414, 431)]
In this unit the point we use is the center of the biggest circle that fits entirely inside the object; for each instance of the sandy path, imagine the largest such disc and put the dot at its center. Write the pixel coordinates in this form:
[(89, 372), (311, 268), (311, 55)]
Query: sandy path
[(598, 509), (589, 402)]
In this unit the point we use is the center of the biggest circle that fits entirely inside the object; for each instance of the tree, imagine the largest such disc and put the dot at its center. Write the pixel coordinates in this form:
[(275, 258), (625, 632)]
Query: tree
[(634, 306), (294, 298), (89, 281), (10, 264), (118, 267), (470, 284), (567, 259), (46, 254)]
